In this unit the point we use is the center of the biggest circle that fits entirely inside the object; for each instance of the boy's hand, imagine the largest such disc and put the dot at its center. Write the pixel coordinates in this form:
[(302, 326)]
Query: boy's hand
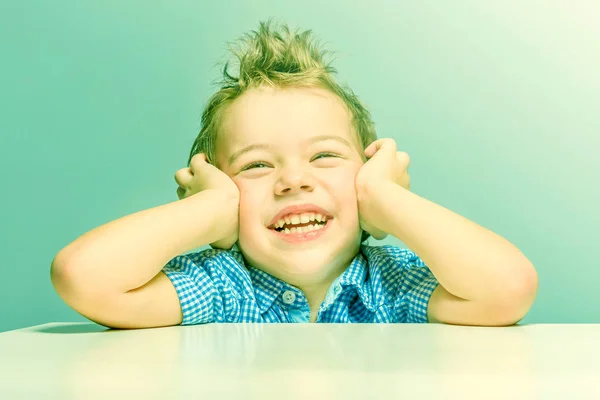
[(201, 176), (385, 164)]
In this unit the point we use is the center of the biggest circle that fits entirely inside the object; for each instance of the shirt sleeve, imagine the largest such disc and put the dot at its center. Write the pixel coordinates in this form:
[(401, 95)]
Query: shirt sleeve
[(416, 285), (203, 290)]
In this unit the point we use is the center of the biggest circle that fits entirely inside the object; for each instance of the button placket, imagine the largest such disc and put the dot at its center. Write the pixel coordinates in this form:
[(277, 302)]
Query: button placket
[(331, 296), (337, 289), (288, 297)]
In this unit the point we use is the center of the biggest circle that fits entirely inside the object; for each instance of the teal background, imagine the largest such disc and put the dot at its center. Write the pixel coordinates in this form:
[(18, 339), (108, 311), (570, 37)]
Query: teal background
[(498, 104)]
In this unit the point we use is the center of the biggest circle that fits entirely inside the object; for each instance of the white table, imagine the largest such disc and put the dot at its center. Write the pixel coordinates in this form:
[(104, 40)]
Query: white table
[(301, 361)]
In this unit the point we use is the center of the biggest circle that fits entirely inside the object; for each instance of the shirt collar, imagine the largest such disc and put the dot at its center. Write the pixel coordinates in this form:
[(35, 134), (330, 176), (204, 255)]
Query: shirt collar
[(356, 277), (267, 287)]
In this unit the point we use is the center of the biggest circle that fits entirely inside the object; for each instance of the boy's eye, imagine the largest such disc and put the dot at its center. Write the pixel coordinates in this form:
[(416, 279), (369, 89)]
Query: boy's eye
[(255, 164)]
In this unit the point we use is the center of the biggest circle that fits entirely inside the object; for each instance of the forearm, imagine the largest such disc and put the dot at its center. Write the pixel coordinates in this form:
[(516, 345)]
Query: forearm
[(127, 253), (468, 260)]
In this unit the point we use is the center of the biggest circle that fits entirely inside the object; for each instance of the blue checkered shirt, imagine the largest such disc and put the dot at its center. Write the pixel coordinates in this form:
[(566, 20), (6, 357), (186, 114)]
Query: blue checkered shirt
[(382, 284)]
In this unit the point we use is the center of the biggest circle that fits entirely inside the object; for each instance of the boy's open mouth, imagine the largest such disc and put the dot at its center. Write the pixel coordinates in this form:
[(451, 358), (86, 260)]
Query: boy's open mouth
[(312, 224), (302, 233)]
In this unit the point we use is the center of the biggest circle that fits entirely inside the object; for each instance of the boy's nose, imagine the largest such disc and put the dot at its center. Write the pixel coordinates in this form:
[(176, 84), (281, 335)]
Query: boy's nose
[(294, 181)]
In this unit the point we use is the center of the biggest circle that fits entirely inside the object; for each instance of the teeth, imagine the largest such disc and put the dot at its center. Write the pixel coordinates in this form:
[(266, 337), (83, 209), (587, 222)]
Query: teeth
[(299, 219), (303, 229)]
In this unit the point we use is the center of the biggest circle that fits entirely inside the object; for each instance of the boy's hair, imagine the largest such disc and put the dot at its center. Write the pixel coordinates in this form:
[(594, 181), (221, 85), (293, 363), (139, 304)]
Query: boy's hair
[(278, 57)]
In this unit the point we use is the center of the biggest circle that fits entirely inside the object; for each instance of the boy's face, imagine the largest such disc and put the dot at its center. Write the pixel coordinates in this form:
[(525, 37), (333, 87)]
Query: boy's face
[(290, 172)]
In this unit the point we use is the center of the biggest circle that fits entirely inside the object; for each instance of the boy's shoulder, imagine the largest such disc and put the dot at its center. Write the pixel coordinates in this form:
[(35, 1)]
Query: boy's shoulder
[(392, 271), (213, 258), (392, 256)]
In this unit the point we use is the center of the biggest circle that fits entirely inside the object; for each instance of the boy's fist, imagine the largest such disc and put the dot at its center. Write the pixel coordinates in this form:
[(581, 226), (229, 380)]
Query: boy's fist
[(202, 176)]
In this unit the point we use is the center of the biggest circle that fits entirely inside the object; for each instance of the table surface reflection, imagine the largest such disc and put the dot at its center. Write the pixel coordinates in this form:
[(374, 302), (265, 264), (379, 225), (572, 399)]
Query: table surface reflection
[(299, 361)]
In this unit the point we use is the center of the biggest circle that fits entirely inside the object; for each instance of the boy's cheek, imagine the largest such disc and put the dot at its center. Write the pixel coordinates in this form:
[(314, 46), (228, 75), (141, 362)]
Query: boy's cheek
[(249, 190)]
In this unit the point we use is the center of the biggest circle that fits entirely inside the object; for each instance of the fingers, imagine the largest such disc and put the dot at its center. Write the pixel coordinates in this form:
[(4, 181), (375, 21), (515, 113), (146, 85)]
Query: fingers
[(405, 181), (379, 144), (181, 193), (197, 162), (403, 158), (184, 176)]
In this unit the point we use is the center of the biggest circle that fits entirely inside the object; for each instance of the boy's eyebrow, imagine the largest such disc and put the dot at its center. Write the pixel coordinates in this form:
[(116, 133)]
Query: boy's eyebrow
[(268, 146)]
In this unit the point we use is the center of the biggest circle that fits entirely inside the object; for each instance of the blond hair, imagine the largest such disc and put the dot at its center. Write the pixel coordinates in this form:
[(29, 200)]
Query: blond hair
[(278, 57)]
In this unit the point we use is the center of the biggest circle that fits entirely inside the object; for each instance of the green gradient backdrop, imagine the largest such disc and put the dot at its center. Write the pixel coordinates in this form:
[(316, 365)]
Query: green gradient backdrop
[(497, 103)]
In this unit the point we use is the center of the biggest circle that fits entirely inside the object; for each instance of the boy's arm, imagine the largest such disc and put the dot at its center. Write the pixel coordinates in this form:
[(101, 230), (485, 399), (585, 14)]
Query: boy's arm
[(112, 274), (484, 279)]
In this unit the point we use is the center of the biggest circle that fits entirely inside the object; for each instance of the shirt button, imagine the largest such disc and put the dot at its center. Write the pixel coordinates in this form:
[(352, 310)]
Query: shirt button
[(289, 297)]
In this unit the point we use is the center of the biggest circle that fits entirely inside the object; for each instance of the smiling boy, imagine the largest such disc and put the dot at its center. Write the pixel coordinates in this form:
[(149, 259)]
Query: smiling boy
[(311, 163), (311, 182)]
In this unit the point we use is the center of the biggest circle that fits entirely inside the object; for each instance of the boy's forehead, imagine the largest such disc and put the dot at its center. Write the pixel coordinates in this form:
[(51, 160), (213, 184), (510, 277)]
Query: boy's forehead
[(284, 115)]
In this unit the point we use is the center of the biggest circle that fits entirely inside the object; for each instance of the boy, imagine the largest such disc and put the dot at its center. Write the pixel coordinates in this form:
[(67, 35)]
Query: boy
[(286, 181)]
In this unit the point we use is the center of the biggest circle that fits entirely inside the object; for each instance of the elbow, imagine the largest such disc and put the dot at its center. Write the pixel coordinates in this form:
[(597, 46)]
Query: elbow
[(63, 274), (83, 298), (520, 297), (66, 277), (526, 287), (67, 285), (60, 277), (81, 277)]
